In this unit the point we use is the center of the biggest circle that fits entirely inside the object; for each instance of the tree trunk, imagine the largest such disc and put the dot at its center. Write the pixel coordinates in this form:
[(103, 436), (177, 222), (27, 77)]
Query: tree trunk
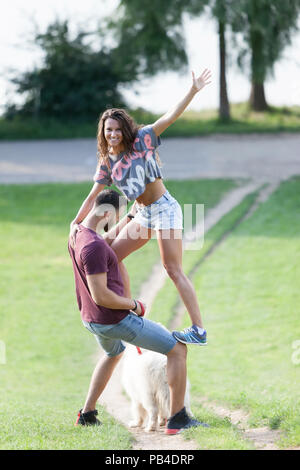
[(224, 109), (257, 97), (258, 67)]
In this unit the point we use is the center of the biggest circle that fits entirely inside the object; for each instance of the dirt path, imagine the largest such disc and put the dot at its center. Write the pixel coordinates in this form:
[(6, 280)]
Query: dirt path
[(118, 405), (114, 399), (263, 438)]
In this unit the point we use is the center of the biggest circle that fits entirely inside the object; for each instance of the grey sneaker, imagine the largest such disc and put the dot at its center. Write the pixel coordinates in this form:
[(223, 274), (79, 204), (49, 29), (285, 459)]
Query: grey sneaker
[(190, 336)]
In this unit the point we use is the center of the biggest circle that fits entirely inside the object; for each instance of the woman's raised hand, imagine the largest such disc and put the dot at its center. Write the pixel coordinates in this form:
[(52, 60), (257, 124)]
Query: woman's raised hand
[(202, 81)]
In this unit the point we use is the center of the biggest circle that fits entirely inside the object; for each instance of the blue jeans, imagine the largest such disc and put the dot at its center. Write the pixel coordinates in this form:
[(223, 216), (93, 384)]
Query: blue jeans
[(134, 330)]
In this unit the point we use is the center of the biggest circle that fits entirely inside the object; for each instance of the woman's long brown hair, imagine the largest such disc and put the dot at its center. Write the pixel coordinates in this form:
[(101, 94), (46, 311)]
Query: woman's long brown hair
[(129, 130)]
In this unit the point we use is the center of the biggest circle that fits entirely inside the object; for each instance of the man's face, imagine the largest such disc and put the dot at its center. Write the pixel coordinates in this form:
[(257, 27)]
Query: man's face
[(109, 214), (115, 215), (113, 218)]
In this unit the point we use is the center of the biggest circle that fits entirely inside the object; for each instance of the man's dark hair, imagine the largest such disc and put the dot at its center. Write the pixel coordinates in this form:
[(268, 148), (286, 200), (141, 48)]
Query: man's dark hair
[(109, 196), (113, 198)]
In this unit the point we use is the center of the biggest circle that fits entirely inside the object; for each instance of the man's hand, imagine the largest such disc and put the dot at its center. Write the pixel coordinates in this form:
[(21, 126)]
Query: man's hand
[(133, 209), (141, 308), (74, 228)]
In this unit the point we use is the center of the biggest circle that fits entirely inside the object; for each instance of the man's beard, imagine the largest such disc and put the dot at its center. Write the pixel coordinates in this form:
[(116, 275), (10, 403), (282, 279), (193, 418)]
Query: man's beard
[(105, 228)]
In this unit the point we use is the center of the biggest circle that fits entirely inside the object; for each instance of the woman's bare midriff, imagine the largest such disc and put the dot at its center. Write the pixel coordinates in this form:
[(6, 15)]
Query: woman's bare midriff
[(152, 192)]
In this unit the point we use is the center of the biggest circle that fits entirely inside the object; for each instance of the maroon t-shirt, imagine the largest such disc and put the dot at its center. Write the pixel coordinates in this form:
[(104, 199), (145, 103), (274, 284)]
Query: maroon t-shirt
[(92, 255)]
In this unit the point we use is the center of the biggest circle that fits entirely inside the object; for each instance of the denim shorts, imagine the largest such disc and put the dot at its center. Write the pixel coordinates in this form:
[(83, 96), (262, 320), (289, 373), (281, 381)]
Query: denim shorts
[(163, 214), (134, 330)]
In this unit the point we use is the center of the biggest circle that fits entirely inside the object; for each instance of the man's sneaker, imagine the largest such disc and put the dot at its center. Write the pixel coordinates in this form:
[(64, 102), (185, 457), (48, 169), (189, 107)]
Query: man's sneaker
[(87, 419), (190, 336), (181, 421)]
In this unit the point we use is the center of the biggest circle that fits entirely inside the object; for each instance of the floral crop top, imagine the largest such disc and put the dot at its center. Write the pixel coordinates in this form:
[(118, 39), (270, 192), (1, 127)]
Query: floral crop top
[(130, 172)]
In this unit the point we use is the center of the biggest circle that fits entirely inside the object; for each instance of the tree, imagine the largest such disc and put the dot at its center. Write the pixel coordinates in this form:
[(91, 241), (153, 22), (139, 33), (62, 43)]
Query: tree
[(220, 10), (74, 82), (224, 109), (150, 34), (153, 33), (266, 27)]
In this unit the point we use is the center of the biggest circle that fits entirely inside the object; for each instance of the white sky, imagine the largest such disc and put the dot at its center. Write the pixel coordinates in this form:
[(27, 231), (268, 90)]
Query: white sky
[(155, 94)]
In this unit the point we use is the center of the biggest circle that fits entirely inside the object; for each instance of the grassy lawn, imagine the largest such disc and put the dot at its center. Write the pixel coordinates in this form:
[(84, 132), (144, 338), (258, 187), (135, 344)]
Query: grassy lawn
[(166, 302), (276, 119), (249, 293), (49, 356), (207, 192), (243, 120)]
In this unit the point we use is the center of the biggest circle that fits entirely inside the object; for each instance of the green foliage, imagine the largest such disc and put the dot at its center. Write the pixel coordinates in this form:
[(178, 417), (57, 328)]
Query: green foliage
[(74, 82), (275, 119), (266, 27), (152, 33)]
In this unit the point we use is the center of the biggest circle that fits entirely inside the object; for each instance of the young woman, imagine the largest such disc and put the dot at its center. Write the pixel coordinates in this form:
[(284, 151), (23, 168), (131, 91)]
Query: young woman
[(128, 158)]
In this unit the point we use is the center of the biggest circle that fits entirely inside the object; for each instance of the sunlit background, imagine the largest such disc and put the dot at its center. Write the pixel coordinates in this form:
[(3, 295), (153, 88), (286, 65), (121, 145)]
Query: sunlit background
[(156, 94)]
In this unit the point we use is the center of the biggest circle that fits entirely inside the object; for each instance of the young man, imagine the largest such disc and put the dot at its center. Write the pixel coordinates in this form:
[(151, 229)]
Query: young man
[(113, 317)]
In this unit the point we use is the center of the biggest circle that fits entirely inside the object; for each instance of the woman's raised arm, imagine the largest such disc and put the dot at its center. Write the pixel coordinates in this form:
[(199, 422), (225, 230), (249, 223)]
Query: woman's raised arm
[(84, 210), (167, 119)]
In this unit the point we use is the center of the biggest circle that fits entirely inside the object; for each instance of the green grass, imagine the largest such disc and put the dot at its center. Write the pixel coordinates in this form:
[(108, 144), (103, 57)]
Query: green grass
[(220, 435), (243, 120), (249, 294), (207, 192), (276, 119), (49, 356), (166, 301)]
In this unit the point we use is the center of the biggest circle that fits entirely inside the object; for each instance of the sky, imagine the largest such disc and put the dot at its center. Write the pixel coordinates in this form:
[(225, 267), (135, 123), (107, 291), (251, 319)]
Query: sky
[(155, 94)]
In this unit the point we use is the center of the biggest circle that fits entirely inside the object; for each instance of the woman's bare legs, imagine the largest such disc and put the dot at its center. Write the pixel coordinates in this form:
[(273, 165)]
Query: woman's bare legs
[(170, 246), (132, 237)]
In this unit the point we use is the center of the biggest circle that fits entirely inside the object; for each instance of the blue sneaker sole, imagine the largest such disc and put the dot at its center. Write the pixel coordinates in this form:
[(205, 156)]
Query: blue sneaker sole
[(188, 342), (194, 344)]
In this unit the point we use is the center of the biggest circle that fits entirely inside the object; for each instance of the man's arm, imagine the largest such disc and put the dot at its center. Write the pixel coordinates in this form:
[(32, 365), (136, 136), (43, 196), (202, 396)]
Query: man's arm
[(88, 203), (105, 297), (84, 210)]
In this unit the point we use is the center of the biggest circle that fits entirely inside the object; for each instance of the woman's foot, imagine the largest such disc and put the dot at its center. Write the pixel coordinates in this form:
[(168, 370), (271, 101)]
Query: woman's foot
[(192, 335)]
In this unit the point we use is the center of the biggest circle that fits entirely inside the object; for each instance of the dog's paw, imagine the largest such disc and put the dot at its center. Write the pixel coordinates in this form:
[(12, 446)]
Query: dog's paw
[(134, 424), (163, 421), (150, 428)]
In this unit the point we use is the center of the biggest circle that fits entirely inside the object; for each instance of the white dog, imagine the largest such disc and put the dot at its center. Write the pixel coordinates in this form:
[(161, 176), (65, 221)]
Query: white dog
[(144, 378)]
